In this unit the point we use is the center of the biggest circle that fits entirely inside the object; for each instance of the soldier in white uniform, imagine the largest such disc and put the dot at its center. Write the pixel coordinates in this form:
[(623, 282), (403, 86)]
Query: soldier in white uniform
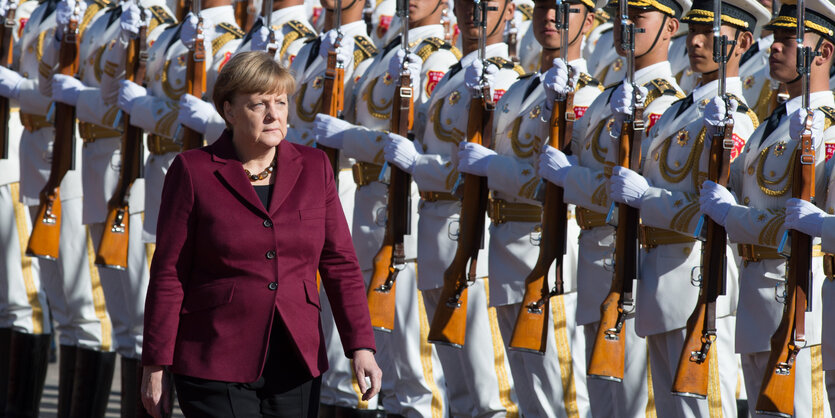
[(340, 393), (413, 381), (73, 289), (584, 181), (553, 384), (762, 179), (124, 289), (156, 108), (477, 374), (25, 327), (757, 86), (674, 167)]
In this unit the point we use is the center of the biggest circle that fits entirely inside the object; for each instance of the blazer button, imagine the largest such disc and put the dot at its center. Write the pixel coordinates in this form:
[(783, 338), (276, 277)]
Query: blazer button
[(272, 286), (270, 254), (268, 223)]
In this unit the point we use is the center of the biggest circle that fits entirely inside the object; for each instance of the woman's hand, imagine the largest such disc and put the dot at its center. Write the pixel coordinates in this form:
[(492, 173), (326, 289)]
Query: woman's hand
[(155, 390), (366, 366)]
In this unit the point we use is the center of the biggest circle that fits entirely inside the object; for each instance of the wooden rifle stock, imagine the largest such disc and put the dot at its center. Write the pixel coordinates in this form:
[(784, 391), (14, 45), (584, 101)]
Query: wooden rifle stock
[(609, 350), (531, 331), (776, 395), (691, 378), (449, 323), (113, 246), (333, 102), (6, 47), (195, 85), (245, 14), (391, 258), (46, 228)]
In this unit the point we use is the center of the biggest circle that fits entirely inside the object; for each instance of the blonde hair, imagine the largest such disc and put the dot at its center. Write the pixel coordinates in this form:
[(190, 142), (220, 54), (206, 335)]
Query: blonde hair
[(250, 73)]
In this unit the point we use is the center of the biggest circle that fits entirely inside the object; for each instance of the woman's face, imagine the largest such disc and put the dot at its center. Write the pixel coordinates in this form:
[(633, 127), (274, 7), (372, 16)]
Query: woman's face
[(259, 118)]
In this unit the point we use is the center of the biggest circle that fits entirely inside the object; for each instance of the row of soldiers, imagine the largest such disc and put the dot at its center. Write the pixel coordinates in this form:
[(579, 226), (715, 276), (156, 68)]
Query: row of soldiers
[(526, 63)]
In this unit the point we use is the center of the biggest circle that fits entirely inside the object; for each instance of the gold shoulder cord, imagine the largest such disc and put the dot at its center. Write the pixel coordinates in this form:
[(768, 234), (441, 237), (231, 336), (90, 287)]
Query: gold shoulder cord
[(673, 175), (597, 151), (380, 111), (172, 92), (304, 115), (522, 150), (453, 135), (765, 183)]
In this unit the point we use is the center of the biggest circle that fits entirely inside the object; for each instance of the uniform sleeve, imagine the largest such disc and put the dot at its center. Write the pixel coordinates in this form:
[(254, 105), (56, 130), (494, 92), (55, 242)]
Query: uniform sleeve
[(364, 144), (512, 177), (828, 236), (586, 187), (750, 225), (30, 98), (170, 268), (48, 63), (91, 108), (114, 70), (434, 172), (155, 115)]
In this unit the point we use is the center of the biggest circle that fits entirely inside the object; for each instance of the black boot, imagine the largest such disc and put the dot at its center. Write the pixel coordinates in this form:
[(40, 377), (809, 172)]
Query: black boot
[(131, 383), (5, 360), (91, 386), (27, 373), (66, 375)]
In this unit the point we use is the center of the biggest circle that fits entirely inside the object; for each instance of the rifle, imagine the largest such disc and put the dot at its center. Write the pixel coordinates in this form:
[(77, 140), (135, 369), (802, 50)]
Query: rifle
[(691, 379), (6, 48), (608, 352), (530, 331), (183, 6), (113, 247), (391, 258), (333, 94), (776, 395), (195, 77), (46, 228), (449, 323), (245, 13), (367, 17)]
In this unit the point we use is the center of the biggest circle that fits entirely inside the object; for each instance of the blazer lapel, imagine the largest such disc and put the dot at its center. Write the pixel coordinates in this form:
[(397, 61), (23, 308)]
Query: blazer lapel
[(232, 173), (288, 170)]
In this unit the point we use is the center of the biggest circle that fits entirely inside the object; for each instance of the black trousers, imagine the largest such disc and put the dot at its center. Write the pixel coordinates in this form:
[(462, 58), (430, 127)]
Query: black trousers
[(284, 390)]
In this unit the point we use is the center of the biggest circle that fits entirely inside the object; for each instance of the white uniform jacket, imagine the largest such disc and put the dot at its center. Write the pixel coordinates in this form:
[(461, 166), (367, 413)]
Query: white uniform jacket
[(291, 28)]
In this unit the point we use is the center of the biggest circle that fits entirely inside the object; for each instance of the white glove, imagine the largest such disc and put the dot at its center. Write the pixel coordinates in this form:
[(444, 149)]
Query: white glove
[(132, 19), (805, 217), (413, 66), (9, 83), (65, 89), (345, 52), (474, 158), (554, 165), (556, 80), (194, 113), (714, 114), (627, 186), (472, 77), (189, 31), (329, 131), (261, 40), (715, 201), (4, 4), (128, 93), (64, 12), (621, 105), (798, 118), (401, 152)]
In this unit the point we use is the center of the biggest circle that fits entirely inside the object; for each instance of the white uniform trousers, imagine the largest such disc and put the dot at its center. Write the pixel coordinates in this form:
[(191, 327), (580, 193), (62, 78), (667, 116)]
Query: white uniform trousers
[(553, 384), (479, 382), (413, 381), (23, 305), (72, 284), (809, 387), (664, 354), (631, 398), (155, 168), (125, 290)]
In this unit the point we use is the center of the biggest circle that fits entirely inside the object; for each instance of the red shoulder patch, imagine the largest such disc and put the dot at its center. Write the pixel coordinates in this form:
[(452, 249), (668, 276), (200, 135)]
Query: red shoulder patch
[(432, 79), (383, 26), (739, 144), (497, 95), (579, 111), (653, 117), (830, 150), (22, 21), (225, 59), (317, 12)]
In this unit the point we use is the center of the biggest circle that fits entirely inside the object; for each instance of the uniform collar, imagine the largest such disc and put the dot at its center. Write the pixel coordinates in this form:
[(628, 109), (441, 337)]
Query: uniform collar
[(220, 14), (286, 14), (349, 29), (493, 50), (423, 32), (733, 85), (816, 100), (579, 65), (654, 71)]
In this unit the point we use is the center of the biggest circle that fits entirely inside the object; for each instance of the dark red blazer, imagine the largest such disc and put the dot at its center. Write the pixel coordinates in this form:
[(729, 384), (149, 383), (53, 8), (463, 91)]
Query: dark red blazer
[(223, 264)]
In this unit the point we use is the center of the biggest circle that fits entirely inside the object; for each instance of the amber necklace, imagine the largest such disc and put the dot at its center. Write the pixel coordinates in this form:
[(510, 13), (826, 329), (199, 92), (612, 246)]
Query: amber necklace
[(262, 175)]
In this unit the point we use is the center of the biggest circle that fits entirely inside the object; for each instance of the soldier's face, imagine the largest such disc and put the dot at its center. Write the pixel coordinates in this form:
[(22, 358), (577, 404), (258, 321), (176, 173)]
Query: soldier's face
[(258, 120), (650, 21), (419, 10), (783, 59), (700, 46), (464, 14), (545, 24)]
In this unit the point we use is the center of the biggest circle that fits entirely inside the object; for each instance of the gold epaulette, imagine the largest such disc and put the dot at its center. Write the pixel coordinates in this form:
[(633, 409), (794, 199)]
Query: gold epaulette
[(301, 29), (91, 11), (431, 45), (743, 108), (363, 49), (506, 64), (527, 11), (227, 33), (658, 88), (160, 17), (587, 80), (829, 112)]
